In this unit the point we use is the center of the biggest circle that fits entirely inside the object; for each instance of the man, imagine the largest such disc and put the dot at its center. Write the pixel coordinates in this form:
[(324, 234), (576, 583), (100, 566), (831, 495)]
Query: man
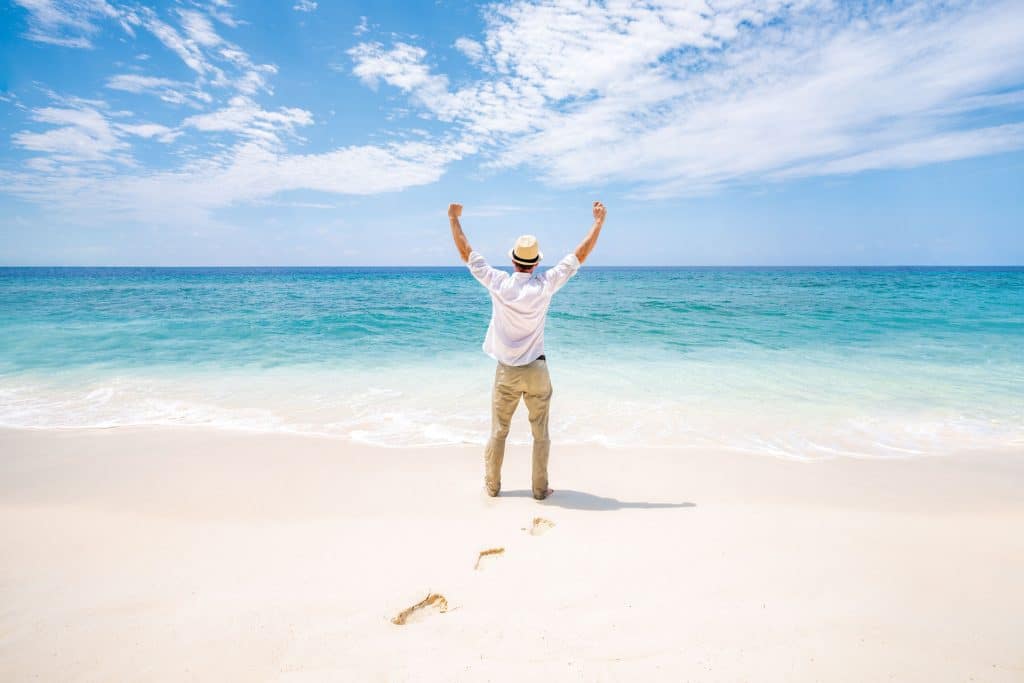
[(515, 338)]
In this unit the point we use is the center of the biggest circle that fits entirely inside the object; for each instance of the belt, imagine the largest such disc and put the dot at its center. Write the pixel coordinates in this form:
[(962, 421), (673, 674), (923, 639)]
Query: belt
[(540, 357)]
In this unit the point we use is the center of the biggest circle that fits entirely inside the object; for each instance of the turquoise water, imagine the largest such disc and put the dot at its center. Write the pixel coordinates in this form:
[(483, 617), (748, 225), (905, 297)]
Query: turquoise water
[(796, 362)]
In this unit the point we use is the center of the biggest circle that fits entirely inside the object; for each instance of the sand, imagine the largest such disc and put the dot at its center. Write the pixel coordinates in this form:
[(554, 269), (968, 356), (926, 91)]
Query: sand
[(173, 554)]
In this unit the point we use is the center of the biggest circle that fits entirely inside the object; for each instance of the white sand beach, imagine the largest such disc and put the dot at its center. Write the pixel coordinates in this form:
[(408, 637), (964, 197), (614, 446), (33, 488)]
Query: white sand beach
[(186, 554)]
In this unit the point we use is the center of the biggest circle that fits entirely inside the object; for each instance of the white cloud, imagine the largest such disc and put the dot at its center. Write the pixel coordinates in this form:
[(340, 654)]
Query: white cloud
[(668, 99), (295, 205), (168, 90), (243, 157), (473, 50), (235, 151), (187, 49), (254, 79), (79, 134), (938, 148), (221, 11), (216, 61), (362, 27), (250, 173), (199, 28), (149, 130), (305, 6), (68, 23), (678, 98), (245, 118), (403, 67)]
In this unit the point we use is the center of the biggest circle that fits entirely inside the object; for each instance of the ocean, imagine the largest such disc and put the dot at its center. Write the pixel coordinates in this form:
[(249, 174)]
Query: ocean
[(804, 363)]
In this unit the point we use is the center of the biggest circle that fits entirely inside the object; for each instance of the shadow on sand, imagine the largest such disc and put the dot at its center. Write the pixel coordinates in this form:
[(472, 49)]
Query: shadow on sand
[(578, 500)]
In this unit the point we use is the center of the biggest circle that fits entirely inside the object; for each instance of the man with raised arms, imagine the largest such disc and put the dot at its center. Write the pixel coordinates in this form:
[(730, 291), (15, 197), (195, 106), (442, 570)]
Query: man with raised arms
[(515, 339)]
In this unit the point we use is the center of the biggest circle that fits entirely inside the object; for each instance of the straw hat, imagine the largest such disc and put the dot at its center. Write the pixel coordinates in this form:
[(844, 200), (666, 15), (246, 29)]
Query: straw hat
[(526, 252)]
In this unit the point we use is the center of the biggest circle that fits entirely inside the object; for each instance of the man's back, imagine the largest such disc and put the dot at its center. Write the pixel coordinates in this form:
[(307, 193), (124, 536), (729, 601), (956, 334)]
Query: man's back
[(515, 338), (520, 300)]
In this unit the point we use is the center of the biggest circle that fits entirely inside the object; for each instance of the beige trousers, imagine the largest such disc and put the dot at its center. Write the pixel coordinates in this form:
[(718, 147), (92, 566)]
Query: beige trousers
[(531, 383)]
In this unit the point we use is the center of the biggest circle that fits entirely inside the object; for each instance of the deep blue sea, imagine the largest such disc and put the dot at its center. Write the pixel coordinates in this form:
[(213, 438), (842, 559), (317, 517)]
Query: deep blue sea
[(796, 362)]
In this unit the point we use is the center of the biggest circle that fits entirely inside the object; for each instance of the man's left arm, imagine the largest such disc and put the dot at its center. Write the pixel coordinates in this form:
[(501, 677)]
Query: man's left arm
[(590, 241), (560, 273), (461, 243)]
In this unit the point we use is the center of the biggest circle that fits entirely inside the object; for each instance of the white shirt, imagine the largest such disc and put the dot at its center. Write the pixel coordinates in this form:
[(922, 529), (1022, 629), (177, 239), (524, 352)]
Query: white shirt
[(520, 301)]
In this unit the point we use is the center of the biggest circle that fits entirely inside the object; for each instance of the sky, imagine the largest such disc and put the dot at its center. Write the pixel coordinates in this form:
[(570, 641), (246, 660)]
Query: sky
[(302, 132)]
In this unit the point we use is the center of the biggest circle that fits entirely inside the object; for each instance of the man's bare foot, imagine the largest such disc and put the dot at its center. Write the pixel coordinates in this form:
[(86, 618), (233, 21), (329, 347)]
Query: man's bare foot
[(544, 495)]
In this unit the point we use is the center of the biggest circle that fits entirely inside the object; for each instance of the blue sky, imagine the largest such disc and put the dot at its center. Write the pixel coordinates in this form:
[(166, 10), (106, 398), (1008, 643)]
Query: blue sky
[(336, 133)]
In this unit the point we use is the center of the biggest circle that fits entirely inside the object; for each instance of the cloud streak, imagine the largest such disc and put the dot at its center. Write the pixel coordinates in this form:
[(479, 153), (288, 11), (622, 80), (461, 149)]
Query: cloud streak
[(678, 99), (84, 160), (248, 173), (245, 118), (67, 23), (169, 90), (85, 132), (667, 99)]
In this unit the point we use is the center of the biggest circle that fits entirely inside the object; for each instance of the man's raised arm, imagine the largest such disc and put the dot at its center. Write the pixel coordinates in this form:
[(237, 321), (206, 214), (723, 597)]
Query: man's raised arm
[(587, 245), (461, 243)]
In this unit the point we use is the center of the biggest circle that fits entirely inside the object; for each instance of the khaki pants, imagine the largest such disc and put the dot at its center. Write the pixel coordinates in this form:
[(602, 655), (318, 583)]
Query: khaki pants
[(532, 383)]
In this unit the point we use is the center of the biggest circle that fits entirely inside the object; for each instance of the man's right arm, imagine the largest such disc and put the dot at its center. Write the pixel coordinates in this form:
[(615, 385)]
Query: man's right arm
[(588, 243), (487, 276)]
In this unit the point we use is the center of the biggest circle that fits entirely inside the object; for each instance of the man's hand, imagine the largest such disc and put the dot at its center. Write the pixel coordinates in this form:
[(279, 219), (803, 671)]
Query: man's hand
[(599, 211), (461, 243)]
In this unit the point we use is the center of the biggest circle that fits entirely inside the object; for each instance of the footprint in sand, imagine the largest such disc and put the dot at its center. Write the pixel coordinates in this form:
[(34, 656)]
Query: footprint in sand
[(540, 526), (487, 553), (433, 600)]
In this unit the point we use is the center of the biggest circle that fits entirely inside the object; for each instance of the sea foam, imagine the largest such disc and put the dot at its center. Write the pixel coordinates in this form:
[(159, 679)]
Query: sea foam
[(797, 363)]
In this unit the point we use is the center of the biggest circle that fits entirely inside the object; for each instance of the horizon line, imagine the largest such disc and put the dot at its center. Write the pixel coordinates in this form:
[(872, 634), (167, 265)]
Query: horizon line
[(721, 265)]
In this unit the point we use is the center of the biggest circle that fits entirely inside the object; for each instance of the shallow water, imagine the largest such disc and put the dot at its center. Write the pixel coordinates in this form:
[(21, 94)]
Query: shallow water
[(795, 362)]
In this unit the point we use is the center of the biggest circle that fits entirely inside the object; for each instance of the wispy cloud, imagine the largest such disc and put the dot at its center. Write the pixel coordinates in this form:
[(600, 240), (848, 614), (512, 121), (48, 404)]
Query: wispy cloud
[(155, 131), (245, 118), (305, 6), (679, 99), (187, 49), (217, 62), (84, 153), (295, 205), (85, 132), (221, 11), (666, 100), (403, 67), (68, 23), (936, 148), (168, 90), (473, 50), (248, 173), (199, 28), (78, 133)]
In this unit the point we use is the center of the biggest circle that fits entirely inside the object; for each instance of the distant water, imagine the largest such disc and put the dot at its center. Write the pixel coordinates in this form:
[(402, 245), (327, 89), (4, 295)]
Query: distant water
[(795, 362)]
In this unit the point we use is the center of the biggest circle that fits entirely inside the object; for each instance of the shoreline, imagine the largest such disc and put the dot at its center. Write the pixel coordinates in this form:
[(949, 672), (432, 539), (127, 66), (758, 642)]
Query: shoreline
[(823, 448), (163, 553)]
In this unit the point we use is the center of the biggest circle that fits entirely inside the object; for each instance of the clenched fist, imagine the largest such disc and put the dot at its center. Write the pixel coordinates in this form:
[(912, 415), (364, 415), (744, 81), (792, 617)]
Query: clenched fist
[(454, 210), (599, 211)]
